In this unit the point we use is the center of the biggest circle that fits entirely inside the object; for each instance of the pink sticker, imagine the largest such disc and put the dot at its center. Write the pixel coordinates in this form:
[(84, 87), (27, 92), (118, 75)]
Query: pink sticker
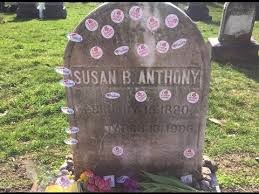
[(117, 16), (96, 52), (189, 153), (179, 43), (91, 24), (141, 96), (67, 83), (142, 50), (117, 151), (165, 94), (162, 46), (121, 50), (193, 97), (135, 13), (171, 21), (153, 23), (107, 31), (74, 37)]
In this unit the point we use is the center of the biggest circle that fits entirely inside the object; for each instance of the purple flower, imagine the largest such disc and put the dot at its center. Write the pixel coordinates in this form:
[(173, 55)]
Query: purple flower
[(130, 185)]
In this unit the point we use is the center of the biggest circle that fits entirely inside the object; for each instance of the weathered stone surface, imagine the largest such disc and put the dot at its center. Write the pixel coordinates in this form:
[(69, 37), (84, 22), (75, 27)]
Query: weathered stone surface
[(54, 10), (198, 11), (122, 133), (27, 10)]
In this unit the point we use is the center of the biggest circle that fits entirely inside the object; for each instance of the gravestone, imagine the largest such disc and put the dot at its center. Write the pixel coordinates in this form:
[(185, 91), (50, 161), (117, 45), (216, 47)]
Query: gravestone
[(198, 11), (234, 42), (27, 10), (2, 6), (137, 78), (257, 12), (54, 10)]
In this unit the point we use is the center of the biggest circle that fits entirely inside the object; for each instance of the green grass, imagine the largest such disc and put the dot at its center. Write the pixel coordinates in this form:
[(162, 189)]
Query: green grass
[(30, 99)]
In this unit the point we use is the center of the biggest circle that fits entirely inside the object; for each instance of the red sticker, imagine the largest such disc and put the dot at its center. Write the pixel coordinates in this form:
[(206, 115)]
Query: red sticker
[(171, 21), (193, 97), (153, 23), (91, 24), (117, 16), (96, 52), (142, 50), (165, 94), (107, 31), (162, 46), (141, 96), (135, 13), (189, 153)]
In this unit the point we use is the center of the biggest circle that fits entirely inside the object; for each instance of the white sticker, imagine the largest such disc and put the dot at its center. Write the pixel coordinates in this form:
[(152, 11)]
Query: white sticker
[(179, 43), (117, 151), (122, 179), (121, 50), (67, 83), (135, 13), (165, 94), (142, 50), (153, 23), (96, 52), (187, 179), (111, 179), (63, 70), (74, 37), (91, 24), (117, 16), (193, 97), (171, 21), (107, 31), (72, 130), (189, 153), (112, 95), (67, 110), (141, 96), (71, 141), (162, 46)]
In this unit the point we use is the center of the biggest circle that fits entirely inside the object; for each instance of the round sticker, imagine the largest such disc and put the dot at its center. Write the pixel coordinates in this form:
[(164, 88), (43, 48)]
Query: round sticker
[(74, 37), (179, 43), (96, 52), (71, 141), (189, 153), (193, 97), (142, 50), (112, 95), (117, 16), (117, 151), (135, 13), (171, 21), (107, 31), (121, 50), (152, 23), (141, 96), (67, 110), (165, 94), (72, 130), (91, 24), (63, 70), (67, 83), (162, 46)]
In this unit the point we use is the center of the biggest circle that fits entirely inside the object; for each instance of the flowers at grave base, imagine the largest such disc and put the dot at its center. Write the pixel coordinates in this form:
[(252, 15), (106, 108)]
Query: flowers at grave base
[(85, 175), (97, 184), (63, 184), (131, 185)]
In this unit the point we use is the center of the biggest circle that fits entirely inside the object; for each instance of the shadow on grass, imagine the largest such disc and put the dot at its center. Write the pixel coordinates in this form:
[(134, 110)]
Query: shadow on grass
[(38, 19)]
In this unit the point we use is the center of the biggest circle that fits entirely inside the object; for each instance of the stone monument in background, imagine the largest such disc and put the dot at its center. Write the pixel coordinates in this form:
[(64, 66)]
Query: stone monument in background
[(54, 10), (198, 11), (26, 10)]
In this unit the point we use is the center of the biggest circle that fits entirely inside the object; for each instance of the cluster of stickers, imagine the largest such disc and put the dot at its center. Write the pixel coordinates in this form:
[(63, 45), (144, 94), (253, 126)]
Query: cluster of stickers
[(142, 49)]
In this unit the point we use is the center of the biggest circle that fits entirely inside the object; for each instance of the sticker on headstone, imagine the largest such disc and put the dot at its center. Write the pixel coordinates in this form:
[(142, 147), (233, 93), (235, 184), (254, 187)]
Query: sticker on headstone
[(63, 70), (171, 21), (67, 83), (117, 151), (111, 179), (179, 43), (107, 31), (91, 24), (72, 130), (165, 94), (71, 141), (187, 179), (142, 50), (67, 110), (141, 96), (189, 153), (74, 37), (193, 97), (162, 46), (121, 50), (135, 13), (96, 52), (112, 95), (153, 23), (121, 179), (117, 16)]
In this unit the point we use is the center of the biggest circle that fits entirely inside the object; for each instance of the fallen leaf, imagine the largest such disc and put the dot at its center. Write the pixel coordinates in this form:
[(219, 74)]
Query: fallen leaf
[(216, 121)]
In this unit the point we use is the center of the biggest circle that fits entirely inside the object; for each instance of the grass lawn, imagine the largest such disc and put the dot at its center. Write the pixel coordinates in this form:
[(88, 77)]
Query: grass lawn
[(32, 126)]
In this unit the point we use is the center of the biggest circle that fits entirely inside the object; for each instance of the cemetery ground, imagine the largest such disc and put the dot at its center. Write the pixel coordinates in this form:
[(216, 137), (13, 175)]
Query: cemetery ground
[(32, 126)]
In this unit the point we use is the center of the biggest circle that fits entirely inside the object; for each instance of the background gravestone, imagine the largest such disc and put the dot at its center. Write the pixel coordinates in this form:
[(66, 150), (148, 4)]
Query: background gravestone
[(27, 10), (234, 42), (257, 12), (54, 10), (141, 74), (198, 11)]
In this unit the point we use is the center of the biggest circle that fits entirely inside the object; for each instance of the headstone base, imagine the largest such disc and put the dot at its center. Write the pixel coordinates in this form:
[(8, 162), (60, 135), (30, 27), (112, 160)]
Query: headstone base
[(234, 53)]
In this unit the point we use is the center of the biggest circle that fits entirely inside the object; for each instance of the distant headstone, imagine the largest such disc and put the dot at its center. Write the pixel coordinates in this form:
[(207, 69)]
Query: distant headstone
[(55, 10), (27, 10), (234, 42), (2, 6), (198, 11), (257, 12), (137, 77)]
